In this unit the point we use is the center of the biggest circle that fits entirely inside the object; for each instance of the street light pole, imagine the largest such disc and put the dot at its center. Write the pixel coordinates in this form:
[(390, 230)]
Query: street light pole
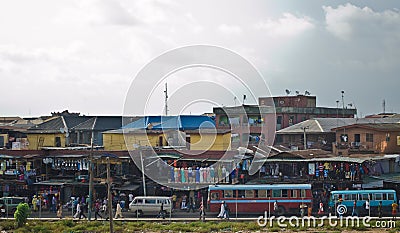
[(305, 138), (90, 203), (90, 179), (109, 197), (143, 177)]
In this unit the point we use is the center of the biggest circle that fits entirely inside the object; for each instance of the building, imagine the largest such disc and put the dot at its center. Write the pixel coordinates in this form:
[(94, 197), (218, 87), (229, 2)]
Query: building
[(319, 133), (254, 123), (378, 138), (178, 132)]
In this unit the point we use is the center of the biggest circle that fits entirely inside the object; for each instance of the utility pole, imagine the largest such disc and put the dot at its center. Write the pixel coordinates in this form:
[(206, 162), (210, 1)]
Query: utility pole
[(304, 135), (109, 197), (143, 176), (90, 203), (166, 99)]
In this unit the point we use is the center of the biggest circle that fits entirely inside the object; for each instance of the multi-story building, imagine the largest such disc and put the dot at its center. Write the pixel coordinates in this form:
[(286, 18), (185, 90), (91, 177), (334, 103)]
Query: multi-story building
[(252, 123)]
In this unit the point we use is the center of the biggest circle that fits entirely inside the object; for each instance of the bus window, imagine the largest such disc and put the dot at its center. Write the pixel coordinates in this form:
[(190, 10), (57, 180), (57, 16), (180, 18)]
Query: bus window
[(378, 196), (249, 194), (390, 196), (302, 193), (284, 193), (346, 197), (276, 193), (228, 193), (268, 193), (293, 193), (262, 193), (214, 196), (255, 193), (241, 193), (384, 197), (364, 196), (354, 197)]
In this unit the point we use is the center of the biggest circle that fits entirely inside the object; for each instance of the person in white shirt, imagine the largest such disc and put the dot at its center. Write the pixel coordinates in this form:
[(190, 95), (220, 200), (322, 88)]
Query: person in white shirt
[(78, 210), (118, 211)]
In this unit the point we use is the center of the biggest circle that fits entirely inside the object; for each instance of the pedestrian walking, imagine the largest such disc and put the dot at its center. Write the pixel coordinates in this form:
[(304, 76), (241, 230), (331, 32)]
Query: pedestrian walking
[(321, 208), (394, 210), (161, 213), (78, 210), (222, 210), (83, 211), (118, 211), (276, 208), (59, 210), (226, 214), (97, 208), (367, 207), (354, 213)]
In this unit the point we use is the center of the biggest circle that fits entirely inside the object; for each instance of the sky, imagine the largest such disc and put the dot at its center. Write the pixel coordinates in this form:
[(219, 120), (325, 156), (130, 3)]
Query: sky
[(84, 55)]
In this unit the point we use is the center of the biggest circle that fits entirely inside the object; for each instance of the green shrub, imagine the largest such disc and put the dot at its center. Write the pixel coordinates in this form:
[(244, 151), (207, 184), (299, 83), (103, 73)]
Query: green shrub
[(21, 214)]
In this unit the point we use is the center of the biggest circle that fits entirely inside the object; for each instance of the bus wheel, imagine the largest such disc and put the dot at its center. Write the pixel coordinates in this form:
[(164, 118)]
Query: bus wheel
[(281, 210)]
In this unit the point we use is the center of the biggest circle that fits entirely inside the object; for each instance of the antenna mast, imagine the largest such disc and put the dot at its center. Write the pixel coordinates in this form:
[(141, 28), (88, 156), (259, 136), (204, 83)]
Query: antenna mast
[(166, 99), (384, 106)]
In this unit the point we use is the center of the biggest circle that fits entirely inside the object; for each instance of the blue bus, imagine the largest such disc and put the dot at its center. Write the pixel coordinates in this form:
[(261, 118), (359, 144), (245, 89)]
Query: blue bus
[(347, 197)]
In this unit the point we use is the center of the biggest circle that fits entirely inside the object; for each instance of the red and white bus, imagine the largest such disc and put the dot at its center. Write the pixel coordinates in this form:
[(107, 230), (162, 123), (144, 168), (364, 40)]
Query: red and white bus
[(259, 198)]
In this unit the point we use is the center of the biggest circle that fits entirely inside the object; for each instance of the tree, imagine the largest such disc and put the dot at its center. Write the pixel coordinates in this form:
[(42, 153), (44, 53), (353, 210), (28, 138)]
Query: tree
[(21, 214)]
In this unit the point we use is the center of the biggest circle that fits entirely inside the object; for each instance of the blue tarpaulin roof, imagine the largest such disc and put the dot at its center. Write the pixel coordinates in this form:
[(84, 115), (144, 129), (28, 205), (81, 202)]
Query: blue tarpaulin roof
[(182, 122)]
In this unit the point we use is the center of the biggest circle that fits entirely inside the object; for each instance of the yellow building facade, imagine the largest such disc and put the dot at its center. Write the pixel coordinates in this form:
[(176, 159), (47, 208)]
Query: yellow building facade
[(39, 140), (115, 140)]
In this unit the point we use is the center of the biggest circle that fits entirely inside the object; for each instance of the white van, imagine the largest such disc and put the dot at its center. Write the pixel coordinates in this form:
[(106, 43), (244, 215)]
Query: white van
[(150, 205)]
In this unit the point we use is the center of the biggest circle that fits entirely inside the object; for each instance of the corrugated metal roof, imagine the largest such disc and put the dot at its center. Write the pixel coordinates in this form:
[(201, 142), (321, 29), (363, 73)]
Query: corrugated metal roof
[(325, 125)]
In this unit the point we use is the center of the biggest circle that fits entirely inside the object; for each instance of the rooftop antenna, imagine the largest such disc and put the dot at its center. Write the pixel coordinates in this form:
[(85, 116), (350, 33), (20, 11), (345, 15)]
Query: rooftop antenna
[(384, 106), (166, 99)]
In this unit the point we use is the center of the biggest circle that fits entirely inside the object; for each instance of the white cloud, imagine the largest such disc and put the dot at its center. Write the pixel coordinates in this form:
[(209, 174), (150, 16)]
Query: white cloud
[(230, 29), (98, 12), (287, 26), (347, 21)]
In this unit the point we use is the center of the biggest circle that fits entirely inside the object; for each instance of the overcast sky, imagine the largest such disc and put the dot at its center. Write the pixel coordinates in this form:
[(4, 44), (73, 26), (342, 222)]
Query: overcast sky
[(83, 55)]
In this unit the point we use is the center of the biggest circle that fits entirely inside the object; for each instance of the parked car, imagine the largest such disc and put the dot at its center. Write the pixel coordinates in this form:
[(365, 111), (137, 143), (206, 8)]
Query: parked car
[(9, 204), (150, 205)]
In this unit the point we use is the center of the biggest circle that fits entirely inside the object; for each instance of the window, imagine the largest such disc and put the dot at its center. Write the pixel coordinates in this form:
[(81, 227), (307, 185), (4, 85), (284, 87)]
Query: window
[(390, 196), (249, 193), (151, 201), (388, 137), (276, 193), (228, 193), (369, 137), (365, 196), (293, 193), (378, 196), (57, 142), (344, 138), (302, 193), (284, 193), (262, 193), (214, 196), (354, 197), (240, 193), (291, 120)]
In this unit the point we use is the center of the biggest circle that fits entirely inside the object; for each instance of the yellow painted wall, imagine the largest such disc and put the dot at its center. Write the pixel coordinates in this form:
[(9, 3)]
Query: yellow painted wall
[(5, 136), (48, 140), (219, 142), (116, 141)]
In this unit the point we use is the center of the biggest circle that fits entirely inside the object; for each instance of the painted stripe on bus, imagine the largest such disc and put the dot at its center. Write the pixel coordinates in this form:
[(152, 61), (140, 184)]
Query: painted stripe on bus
[(260, 201)]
